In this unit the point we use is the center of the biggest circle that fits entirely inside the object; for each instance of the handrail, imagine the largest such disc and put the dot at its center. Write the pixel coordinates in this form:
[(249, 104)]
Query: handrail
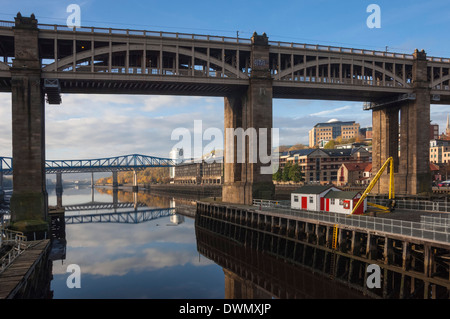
[(429, 231), (18, 241), (223, 39)]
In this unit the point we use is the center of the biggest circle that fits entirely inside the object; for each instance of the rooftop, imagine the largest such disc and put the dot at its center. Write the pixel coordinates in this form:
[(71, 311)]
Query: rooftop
[(342, 194), (312, 189), (334, 123), (357, 166)]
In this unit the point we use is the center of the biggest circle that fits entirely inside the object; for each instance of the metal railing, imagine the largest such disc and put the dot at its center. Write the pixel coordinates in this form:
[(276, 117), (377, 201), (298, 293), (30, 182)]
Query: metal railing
[(436, 206), (18, 242), (436, 220), (435, 232), (223, 39)]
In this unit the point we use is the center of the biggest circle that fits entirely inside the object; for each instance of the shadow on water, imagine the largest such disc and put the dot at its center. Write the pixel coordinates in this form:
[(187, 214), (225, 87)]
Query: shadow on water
[(253, 274)]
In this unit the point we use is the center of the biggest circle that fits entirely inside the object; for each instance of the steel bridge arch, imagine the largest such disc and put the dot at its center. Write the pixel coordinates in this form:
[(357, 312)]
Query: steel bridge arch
[(68, 60), (440, 81), (304, 66)]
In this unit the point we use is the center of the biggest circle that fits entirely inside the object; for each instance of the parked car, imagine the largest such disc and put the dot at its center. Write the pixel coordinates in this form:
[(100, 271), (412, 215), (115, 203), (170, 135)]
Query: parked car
[(444, 184)]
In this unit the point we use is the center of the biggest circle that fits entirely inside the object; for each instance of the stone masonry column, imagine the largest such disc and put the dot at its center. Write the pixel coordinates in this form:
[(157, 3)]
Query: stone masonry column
[(29, 203), (252, 113), (414, 171), (385, 124)]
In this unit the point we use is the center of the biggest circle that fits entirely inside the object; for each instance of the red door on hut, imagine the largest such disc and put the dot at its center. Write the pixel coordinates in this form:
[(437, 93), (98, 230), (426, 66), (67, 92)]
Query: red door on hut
[(304, 202), (360, 210)]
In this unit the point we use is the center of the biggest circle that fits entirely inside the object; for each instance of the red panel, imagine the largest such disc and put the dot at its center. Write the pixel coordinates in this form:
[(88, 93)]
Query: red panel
[(304, 202), (322, 203), (360, 209), (328, 205)]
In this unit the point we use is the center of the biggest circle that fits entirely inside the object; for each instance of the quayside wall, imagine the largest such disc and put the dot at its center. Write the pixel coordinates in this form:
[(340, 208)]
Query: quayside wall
[(410, 267)]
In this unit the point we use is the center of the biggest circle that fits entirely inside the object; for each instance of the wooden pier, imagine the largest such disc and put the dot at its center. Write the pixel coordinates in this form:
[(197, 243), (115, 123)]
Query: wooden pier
[(28, 277), (410, 267)]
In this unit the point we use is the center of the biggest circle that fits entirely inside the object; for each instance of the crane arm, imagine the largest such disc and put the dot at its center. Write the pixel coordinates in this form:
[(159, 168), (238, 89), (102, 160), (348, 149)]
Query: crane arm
[(389, 161)]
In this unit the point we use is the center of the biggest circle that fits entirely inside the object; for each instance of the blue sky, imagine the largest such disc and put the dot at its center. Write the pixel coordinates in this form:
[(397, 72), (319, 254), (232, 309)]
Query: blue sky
[(87, 126)]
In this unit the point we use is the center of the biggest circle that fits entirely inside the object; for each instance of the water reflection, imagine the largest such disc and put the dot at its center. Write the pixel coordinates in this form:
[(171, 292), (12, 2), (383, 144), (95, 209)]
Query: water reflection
[(165, 256), (252, 274), (134, 260)]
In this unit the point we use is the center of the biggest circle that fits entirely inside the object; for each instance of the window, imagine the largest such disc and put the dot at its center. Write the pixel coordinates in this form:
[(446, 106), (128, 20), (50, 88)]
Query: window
[(296, 198), (311, 199), (332, 201)]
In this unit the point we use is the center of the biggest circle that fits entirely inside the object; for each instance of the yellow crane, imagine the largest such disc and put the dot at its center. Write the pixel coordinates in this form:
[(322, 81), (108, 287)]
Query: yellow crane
[(390, 162)]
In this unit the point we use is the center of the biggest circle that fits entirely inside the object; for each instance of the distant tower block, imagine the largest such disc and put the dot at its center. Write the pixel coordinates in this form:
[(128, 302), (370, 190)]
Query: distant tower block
[(177, 155)]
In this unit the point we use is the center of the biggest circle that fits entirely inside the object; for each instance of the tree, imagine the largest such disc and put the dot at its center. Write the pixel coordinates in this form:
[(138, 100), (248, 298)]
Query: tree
[(330, 145), (278, 175), (295, 173), (285, 174)]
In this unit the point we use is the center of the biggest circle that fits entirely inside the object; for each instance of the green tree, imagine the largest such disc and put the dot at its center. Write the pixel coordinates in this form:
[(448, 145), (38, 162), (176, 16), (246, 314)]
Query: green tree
[(330, 145), (285, 174), (278, 175), (295, 173)]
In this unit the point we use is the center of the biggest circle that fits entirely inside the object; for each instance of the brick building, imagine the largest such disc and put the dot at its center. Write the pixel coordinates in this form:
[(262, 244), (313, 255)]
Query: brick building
[(354, 174), (322, 165), (205, 172)]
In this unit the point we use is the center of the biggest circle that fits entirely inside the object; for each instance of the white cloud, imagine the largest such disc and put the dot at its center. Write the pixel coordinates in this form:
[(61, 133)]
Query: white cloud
[(95, 125), (327, 112)]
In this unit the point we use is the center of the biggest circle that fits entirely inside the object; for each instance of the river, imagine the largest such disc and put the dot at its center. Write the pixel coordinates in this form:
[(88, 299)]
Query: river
[(160, 259)]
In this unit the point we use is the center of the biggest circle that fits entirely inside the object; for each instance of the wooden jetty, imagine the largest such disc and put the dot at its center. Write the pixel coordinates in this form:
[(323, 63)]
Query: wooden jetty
[(28, 277)]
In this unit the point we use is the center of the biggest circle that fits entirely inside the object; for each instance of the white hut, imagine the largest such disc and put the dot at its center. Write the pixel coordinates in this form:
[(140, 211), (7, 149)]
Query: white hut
[(343, 202), (310, 197)]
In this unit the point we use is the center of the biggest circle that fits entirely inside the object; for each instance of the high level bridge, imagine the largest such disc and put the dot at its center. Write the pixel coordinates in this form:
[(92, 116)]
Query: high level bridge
[(39, 60)]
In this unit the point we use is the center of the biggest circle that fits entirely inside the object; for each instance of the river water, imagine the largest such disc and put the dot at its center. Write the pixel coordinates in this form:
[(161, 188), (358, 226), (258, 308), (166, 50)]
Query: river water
[(159, 258)]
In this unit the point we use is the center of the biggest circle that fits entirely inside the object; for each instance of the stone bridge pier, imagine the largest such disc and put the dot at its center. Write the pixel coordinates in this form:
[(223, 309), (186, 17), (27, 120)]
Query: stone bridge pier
[(401, 130), (247, 115), (29, 203)]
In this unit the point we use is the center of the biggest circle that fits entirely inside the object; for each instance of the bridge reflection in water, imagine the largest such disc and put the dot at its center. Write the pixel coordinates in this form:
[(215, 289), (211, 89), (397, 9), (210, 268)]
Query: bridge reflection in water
[(126, 208)]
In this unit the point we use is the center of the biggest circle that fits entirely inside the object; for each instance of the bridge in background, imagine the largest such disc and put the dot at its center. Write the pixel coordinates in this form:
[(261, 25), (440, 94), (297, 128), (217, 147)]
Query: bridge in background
[(129, 217), (133, 162), (39, 61), (107, 164)]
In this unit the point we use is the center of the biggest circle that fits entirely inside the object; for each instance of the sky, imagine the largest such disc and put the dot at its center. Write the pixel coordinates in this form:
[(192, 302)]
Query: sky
[(95, 126)]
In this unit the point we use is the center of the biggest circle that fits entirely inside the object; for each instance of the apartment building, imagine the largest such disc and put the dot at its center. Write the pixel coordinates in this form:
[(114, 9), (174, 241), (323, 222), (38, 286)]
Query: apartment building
[(332, 130), (439, 151), (322, 165)]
